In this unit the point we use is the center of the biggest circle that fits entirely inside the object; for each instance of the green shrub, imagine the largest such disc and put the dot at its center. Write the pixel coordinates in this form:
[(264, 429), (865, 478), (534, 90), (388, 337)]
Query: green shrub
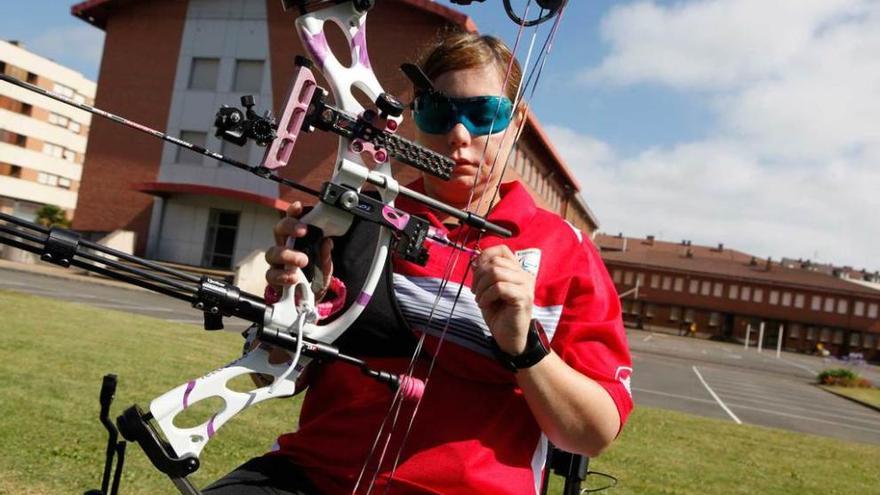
[(843, 377)]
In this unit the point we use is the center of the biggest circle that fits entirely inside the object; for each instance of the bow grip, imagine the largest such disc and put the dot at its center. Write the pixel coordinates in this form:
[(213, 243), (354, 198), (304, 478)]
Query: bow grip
[(310, 244)]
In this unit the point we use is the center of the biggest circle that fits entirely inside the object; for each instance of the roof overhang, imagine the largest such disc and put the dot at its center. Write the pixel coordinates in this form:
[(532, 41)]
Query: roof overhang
[(167, 189), (96, 12)]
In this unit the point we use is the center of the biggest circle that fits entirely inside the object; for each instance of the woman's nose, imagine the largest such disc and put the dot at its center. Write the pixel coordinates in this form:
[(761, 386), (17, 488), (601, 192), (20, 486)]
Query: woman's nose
[(458, 137)]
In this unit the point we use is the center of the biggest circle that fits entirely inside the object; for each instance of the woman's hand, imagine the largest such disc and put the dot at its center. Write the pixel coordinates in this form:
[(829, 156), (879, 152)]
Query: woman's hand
[(505, 294), (280, 256)]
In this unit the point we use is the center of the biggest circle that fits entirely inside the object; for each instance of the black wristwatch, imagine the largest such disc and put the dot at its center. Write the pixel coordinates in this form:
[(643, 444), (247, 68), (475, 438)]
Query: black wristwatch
[(537, 346)]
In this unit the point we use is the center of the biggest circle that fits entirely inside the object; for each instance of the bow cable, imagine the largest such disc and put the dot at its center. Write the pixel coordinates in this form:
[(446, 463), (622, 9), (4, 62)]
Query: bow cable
[(453, 259)]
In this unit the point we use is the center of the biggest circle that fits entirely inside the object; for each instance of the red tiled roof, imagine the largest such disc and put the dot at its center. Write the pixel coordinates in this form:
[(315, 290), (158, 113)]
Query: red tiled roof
[(724, 263), (96, 12)]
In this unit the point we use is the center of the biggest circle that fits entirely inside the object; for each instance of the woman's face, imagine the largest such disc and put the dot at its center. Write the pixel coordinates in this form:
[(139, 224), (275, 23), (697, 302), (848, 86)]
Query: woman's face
[(473, 155)]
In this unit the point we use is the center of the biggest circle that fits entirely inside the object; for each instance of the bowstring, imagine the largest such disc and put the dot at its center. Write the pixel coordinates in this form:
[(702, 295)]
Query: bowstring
[(539, 65), (397, 401)]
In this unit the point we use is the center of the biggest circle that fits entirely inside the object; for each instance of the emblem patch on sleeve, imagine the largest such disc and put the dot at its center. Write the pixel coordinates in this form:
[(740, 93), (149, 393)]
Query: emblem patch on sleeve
[(529, 260)]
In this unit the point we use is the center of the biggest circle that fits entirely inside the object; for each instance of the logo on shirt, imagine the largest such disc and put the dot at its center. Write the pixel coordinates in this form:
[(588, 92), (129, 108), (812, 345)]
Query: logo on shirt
[(623, 375), (529, 260)]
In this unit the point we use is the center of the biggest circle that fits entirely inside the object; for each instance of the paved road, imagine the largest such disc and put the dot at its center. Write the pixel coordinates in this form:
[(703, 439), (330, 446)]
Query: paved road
[(119, 297), (724, 381), (696, 376)]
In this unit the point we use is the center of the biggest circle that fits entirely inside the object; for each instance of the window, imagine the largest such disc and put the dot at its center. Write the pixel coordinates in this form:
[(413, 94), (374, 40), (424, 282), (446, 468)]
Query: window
[(838, 337), (616, 276), (68, 155), (655, 281), (627, 278), (794, 331), (12, 138), (60, 120), (47, 179), (870, 341), (825, 335), (674, 313), (53, 150), (186, 156), (640, 279), (679, 284), (667, 283), (688, 315), (27, 109), (745, 293), (786, 298), (714, 319), (855, 339), (815, 303), (220, 239), (799, 300), (733, 291), (829, 305), (859, 308), (718, 289), (75, 127), (774, 297), (694, 286), (64, 90), (31, 78), (649, 310), (64, 182), (705, 288), (872, 310), (758, 295), (203, 74), (248, 76), (811, 333), (842, 306)]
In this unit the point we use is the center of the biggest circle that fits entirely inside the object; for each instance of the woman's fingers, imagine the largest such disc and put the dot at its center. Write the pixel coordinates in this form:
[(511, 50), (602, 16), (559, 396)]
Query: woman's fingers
[(288, 225)]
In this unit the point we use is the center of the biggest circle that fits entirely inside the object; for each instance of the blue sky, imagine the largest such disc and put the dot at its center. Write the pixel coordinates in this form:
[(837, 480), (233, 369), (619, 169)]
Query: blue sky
[(752, 123)]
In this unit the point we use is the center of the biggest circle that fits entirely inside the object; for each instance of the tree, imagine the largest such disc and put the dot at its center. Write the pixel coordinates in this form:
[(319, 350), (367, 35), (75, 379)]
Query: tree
[(51, 215)]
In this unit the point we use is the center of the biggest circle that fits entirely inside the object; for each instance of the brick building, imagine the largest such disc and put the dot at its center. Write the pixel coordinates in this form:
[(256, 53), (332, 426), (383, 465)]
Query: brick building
[(724, 291), (42, 142), (189, 209)]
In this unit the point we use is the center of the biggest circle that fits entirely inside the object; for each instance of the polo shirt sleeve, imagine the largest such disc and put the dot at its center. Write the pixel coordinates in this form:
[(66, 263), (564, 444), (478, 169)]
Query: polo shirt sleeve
[(590, 336)]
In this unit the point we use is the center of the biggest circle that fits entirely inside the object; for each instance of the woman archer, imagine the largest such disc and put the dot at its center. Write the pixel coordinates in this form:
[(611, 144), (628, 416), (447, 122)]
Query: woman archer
[(534, 350)]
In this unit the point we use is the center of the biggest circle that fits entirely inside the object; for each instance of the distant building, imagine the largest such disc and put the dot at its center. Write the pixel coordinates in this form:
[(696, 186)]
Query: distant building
[(42, 141), (725, 292), (192, 210)]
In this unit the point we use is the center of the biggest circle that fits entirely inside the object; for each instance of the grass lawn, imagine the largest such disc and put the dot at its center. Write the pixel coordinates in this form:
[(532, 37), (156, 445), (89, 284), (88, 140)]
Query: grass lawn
[(53, 355), (867, 395)]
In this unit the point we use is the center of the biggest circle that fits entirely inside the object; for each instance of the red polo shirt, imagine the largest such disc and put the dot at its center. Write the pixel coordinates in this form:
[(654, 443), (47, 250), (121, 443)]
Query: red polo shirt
[(474, 432)]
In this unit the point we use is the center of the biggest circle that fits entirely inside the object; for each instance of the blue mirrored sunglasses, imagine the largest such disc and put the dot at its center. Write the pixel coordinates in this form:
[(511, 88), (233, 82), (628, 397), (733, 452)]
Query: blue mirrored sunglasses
[(436, 113)]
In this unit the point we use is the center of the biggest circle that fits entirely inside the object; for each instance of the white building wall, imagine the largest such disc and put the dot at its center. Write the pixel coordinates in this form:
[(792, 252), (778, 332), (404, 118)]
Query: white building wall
[(26, 195), (227, 30), (185, 225)]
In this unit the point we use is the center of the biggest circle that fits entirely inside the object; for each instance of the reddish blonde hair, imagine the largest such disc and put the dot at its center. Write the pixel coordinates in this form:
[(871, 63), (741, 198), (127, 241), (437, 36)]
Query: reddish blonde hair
[(461, 50)]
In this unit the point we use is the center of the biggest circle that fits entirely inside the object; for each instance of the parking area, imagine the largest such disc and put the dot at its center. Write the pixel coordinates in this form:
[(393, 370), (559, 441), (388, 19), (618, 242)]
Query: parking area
[(712, 379), (726, 381)]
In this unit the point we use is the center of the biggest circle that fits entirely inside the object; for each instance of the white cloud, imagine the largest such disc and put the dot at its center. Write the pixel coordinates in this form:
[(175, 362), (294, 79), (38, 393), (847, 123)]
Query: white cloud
[(717, 191), (792, 167), (82, 44)]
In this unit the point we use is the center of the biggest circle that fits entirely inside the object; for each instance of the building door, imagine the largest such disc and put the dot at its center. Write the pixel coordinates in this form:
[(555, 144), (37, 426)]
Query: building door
[(728, 327), (220, 239)]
